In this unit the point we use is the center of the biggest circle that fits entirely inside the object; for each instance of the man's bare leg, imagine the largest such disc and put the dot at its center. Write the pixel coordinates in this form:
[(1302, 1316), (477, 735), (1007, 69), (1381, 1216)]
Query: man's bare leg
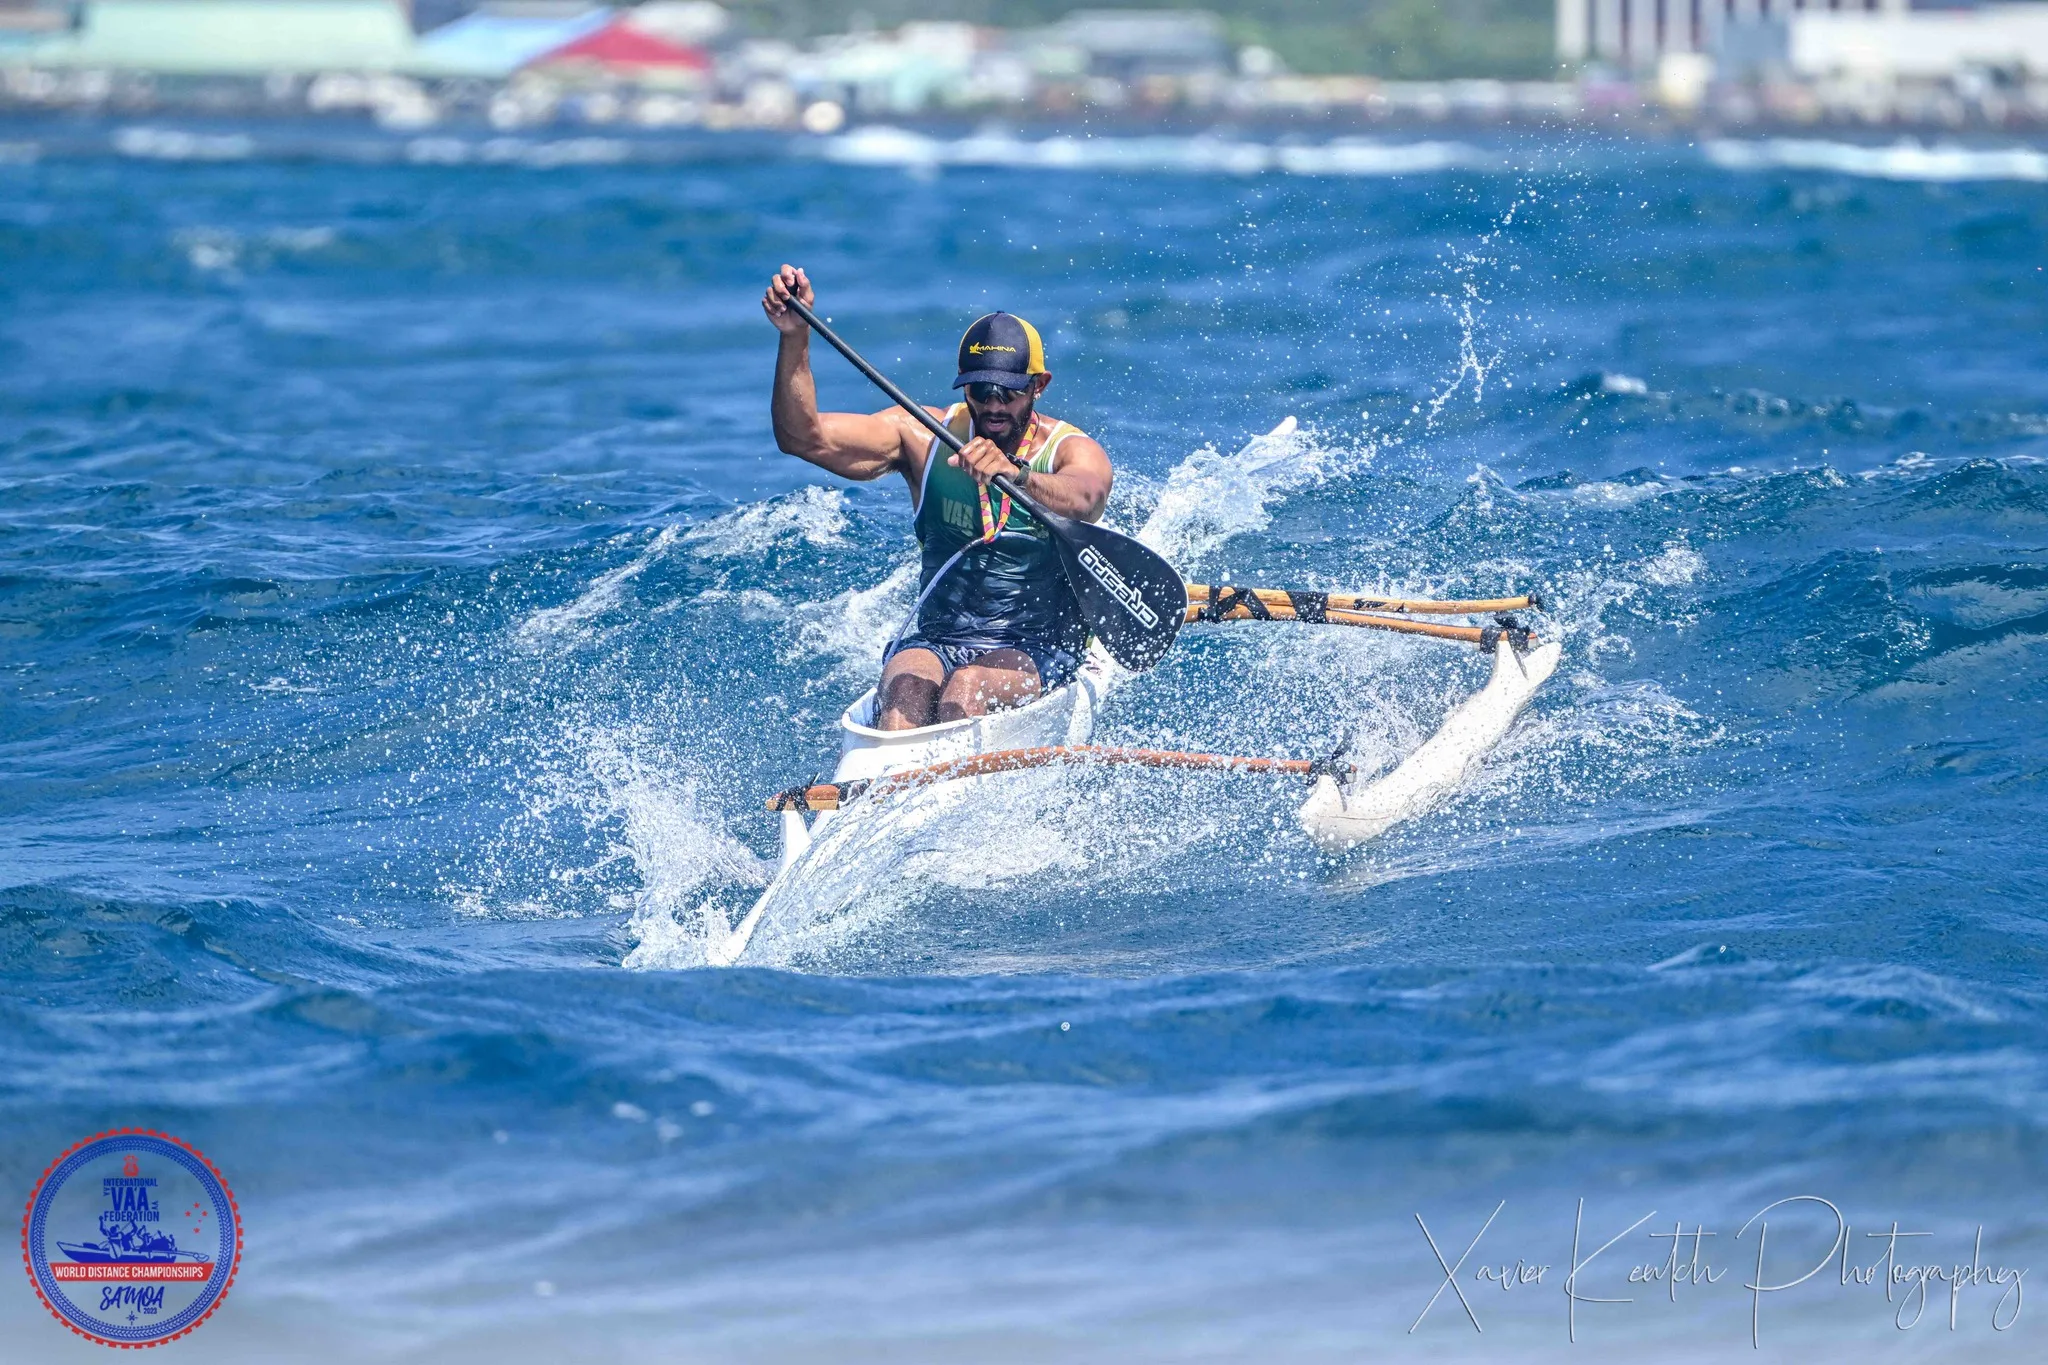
[(908, 695), (998, 679)]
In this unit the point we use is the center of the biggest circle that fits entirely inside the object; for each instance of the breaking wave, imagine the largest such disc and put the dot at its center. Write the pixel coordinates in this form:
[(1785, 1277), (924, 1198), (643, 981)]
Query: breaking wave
[(1206, 154), (1902, 160)]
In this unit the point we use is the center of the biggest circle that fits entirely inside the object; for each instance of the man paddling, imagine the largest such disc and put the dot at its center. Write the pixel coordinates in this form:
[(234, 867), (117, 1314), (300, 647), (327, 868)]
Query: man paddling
[(996, 623)]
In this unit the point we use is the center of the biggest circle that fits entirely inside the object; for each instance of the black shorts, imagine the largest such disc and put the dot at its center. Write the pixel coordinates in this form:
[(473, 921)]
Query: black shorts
[(1056, 666)]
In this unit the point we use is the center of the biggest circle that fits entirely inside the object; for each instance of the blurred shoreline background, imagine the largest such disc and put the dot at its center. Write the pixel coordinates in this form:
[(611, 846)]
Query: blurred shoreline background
[(824, 66)]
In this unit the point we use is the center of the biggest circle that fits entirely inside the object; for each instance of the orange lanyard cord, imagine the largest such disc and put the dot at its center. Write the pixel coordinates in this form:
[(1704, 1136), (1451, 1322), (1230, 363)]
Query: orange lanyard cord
[(993, 522)]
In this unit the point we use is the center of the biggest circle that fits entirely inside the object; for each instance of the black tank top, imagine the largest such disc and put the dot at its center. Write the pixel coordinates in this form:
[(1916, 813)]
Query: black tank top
[(1005, 591)]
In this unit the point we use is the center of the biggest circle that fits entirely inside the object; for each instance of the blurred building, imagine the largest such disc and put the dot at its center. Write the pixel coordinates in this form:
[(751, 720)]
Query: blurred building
[(491, 43), (916, 66), (413, 64), (1999, 41), (23, 21), (1636, 34), (1132, 45), (234, 37), (618, 51)]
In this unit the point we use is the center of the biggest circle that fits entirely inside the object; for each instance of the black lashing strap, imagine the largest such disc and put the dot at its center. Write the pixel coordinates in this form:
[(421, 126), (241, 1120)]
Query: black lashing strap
[(1312, 607), (798, 798), (1516, 634), (1336, 765), (1224, 600)]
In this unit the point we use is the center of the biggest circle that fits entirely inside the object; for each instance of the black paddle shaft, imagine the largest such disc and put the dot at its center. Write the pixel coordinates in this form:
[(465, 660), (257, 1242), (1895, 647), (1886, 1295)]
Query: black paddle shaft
[(903, 400), (1134, 600)]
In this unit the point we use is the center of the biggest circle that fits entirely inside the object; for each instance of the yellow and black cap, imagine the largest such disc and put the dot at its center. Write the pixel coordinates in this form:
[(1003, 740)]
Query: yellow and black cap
[(1000, 349)]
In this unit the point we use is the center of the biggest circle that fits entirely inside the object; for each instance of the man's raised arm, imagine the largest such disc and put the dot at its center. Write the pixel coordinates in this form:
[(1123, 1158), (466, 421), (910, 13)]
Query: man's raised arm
[(853, 445)]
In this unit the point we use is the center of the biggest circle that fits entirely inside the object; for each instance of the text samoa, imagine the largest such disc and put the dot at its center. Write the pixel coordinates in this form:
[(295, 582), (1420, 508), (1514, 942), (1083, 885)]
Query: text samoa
[(143, 1298)]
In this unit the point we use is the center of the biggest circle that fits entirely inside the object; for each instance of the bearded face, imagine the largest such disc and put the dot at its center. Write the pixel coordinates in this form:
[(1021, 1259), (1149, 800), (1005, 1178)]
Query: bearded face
[(1002, 415)]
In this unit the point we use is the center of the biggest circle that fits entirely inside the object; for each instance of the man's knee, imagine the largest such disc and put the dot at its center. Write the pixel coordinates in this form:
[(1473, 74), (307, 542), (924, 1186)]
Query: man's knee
[(999, 679), (908, 695)]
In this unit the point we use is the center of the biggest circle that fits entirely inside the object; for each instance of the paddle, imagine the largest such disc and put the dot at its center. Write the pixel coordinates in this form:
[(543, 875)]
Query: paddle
[(1134, 600)]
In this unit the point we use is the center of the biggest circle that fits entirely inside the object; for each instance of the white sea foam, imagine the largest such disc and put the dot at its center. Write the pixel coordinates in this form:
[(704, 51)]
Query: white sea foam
[(546, 155), (1609, 494), (518, 151), (1902, 160), (1205, 153), (852, 628), (811, 515), (1612, 493), (573, 623), (1368, 156), (1913, 464), (210, 249), (439, 151), (748, 604), (172, 144), (223, 249), (1678, 565), (1211, 497), (300, 239)]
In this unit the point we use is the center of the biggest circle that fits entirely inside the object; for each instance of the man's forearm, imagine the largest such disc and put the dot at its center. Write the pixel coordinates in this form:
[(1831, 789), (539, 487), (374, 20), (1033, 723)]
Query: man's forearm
[(793, 408), (1079, 496)]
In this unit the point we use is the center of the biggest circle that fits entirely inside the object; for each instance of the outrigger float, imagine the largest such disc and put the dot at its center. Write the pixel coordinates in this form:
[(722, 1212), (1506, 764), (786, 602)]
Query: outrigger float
[(1136, 603)]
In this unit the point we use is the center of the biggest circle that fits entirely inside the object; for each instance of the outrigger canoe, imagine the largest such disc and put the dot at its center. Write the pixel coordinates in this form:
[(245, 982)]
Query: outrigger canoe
[(1135, 603), (909, 776)]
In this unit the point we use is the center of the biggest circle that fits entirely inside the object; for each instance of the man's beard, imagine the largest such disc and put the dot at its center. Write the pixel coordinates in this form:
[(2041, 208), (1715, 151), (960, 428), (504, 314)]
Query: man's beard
[(1011, 437)]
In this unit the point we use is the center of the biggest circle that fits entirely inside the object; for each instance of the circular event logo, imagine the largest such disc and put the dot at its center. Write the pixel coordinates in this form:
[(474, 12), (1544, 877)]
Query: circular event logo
[(131, 1238)]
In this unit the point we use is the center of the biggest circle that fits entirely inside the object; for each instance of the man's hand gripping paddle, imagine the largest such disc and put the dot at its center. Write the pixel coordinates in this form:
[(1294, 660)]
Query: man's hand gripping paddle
[(1134, 600)]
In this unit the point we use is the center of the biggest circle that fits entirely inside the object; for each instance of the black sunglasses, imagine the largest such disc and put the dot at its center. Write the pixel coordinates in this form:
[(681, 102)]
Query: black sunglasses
[(992, 393)]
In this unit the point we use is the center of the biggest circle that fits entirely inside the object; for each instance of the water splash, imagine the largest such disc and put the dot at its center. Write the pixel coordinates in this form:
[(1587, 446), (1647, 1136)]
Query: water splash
[(653, 838), (1210, 498), (811, 515), (898, 877), (1479, 353), (573, 623), (852, 628)]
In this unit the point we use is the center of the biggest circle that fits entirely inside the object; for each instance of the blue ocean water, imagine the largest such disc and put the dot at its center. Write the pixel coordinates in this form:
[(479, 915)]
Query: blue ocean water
[(405, 609)]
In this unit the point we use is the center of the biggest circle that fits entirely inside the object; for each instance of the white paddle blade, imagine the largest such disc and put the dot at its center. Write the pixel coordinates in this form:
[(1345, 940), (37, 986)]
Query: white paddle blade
[(1338, 818)]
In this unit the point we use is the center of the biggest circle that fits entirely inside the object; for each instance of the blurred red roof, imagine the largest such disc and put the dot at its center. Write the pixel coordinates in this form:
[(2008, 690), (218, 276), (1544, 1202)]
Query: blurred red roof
[(620, 44)]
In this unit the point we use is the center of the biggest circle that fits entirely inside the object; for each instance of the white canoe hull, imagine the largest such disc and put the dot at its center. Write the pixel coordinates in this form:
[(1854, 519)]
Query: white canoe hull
[(1065, 715)]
